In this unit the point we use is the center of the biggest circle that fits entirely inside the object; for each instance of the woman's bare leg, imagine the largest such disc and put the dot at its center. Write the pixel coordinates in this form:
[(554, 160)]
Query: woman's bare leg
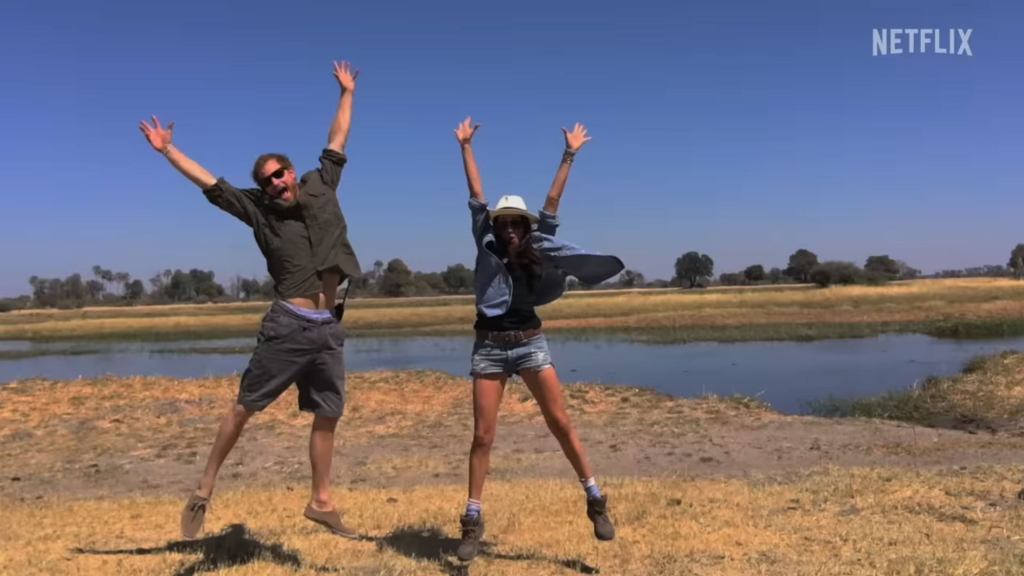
[(547, 390), (487, 393)]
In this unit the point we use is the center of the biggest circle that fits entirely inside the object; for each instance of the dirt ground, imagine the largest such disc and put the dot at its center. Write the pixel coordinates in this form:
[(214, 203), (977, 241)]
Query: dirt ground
[(150, 436)]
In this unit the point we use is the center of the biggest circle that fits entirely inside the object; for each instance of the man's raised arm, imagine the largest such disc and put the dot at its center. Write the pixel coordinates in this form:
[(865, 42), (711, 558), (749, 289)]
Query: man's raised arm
[(573, 141), (337, 136), (238, 203), (332, 161), (160, 139)]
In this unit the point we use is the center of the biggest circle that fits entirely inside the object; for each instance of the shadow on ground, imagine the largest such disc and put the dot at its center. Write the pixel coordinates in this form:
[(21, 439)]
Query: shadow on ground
[(233, 546), (236, 546), (430, 543)]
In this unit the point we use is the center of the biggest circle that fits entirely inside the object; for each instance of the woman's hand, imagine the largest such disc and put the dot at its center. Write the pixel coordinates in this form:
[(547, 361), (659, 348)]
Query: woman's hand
[(464, 133), (576, 138)]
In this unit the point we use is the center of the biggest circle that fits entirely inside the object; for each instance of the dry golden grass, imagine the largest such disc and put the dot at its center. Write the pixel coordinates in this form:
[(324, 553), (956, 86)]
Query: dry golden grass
[(990, 387), (918, 301), (828, 521)]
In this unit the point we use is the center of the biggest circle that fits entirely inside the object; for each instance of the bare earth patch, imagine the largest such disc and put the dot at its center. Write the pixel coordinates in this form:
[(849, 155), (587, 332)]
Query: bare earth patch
[(151, 435)]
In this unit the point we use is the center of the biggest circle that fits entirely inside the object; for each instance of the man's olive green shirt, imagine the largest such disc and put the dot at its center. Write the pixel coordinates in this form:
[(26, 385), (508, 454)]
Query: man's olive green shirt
[(299, 240)]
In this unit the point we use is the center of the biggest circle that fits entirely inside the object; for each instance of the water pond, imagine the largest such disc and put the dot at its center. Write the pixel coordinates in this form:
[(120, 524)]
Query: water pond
[(784, 374)]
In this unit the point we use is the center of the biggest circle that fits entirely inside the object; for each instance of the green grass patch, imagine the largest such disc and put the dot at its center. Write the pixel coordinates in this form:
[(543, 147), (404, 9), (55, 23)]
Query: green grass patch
[(987, 394), (205, 350), (970, 328), (24, 354)]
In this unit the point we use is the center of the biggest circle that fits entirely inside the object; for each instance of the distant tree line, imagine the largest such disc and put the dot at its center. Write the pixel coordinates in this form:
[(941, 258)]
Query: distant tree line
[(696, 270), (395, 280)]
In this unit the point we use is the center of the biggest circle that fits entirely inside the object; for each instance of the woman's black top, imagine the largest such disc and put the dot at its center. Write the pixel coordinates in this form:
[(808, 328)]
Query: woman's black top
[(520, 314)]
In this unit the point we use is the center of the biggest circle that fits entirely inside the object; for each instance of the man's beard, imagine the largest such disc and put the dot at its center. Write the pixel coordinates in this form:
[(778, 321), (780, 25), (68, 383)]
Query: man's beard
[(282, 205)]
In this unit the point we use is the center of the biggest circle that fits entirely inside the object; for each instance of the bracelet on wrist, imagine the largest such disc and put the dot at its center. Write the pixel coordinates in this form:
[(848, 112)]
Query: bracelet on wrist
[(568, 156)]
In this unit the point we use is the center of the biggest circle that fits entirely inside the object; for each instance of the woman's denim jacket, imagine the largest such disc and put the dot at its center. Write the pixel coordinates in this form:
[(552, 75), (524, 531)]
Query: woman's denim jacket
[(492, 283)]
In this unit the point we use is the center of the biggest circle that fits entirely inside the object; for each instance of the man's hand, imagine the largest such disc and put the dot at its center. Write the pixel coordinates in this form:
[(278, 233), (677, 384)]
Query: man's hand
[(346, 78), (576, 138), (464, 133), (159, 138)]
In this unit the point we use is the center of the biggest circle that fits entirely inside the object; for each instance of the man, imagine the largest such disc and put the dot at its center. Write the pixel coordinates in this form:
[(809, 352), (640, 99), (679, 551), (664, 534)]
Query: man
[(302, 233)]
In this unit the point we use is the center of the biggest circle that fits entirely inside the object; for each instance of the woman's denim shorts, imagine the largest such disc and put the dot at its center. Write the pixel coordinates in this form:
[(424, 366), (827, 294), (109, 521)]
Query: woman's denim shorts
[(494, 357)]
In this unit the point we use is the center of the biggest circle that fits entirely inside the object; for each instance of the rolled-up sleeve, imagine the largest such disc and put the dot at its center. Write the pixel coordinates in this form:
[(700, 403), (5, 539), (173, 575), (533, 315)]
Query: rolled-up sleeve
[(481, 220), (548, 223), (332, 163), (239, 203)]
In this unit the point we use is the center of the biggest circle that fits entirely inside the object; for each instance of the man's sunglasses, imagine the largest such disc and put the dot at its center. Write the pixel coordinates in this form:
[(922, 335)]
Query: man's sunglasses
[(275, 175)]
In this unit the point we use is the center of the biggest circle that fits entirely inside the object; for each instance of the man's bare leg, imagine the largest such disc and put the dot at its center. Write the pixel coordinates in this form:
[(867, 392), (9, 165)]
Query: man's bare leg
[(321, 451), (230, 429), (195, 508)]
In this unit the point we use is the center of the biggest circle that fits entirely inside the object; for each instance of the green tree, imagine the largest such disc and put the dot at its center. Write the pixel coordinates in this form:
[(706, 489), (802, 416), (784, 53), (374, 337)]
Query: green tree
[(457, 279), (730, 278), (631, 279), (74, 289), (193, 286), (123, 280), (103, 275), (906, 272), (801, 263), (94, 289), (1016, 263), (134, 290), (249, 288), (836, 272), (396, 280), (692, 267), (428, 284), (882, 264), (754, 273)]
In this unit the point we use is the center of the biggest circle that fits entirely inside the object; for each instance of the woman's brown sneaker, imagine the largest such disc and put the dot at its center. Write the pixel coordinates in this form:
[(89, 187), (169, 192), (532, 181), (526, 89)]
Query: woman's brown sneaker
[(597, 511), (472, 533), (193, 514)]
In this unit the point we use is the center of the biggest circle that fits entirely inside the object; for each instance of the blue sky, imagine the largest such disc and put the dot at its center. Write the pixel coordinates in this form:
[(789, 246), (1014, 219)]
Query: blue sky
[(742, 129)]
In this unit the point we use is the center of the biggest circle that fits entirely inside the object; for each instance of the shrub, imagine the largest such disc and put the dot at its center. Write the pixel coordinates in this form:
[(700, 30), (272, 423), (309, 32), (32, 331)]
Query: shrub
[(835, 272)]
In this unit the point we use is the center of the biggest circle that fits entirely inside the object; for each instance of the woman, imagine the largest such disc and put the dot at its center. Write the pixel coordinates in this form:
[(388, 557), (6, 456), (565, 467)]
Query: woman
[(517, 269)]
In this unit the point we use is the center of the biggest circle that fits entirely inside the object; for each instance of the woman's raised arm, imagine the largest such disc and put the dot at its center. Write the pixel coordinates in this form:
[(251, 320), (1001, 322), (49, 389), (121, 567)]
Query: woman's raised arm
[(464, 134), (573, 141)]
